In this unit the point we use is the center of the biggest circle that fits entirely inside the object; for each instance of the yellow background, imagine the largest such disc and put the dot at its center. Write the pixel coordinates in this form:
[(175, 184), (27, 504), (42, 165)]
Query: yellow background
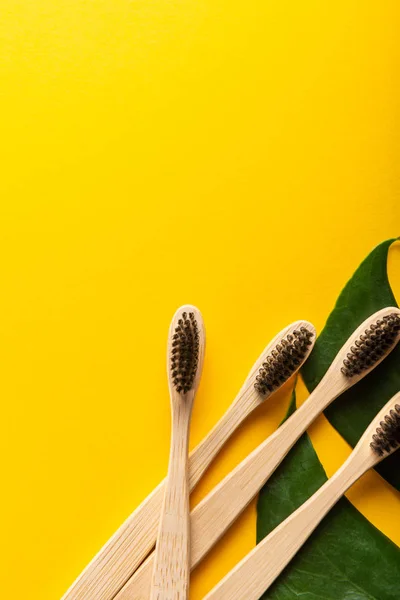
[(241, 156)]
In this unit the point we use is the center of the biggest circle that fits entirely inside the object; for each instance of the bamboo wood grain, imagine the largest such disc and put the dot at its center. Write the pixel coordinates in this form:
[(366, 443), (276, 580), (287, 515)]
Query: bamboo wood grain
[(119, 558), (171, 572), (219, 509), (259, 569)]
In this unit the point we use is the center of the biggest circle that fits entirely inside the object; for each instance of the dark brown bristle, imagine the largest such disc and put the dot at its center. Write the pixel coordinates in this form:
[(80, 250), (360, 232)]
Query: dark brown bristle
[(185, 353), (283, 361), (387, 436), (372, 345)]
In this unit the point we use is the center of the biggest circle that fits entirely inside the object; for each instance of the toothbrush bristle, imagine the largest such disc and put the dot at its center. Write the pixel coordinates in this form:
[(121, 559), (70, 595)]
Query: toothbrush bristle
[(387, 436), (185, 353), (372, 345), (283, 361)]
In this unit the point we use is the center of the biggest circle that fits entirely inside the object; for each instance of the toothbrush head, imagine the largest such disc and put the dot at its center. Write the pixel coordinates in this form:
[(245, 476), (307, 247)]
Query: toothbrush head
[(387, 436), (285, 359), (372, 345), (184, 357)]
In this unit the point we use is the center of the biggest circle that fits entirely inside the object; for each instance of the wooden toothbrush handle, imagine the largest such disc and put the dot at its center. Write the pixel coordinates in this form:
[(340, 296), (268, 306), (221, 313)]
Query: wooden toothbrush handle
[(121, 556), (216, 512), (171, 571), (257, 571)]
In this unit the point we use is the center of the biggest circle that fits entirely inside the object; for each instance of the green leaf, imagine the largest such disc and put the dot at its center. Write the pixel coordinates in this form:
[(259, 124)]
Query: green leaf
[(346, 558), (366, 292)]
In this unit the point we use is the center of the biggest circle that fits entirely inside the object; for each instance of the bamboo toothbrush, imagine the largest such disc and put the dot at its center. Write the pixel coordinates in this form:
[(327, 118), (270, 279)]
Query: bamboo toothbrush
[(171, 571), (128, 547), (255, 573), (366, 348)]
